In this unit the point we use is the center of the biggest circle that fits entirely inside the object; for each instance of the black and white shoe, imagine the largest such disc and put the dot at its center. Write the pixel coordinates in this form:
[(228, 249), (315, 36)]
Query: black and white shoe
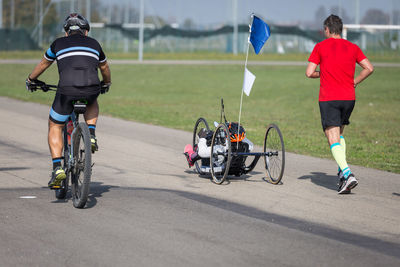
[(340, 182), (345, 185)]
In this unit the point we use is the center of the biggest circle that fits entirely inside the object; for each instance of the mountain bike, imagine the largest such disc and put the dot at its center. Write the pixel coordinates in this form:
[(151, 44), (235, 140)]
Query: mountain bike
[(77, 152)]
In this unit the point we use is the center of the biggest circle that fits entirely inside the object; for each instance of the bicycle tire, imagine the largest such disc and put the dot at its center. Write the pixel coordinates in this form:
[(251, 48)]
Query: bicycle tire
[(195, 142), (220, 141), (275, 163), (62, 192), (82, 171)]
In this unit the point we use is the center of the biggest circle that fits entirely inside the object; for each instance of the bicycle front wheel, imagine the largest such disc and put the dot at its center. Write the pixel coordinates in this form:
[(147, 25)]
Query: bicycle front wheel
[(275, 160), (82, 170)]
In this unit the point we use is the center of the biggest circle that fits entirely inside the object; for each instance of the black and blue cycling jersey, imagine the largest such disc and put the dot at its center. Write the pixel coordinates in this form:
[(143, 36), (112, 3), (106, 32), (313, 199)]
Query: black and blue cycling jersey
[(78, 58)]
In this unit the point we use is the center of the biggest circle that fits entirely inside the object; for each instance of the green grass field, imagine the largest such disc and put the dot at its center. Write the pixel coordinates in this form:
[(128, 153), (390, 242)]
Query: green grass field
[(176, 95), (391, 57)]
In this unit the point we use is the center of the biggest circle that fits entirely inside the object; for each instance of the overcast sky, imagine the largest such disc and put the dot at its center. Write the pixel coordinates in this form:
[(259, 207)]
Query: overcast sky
[(278, 11)]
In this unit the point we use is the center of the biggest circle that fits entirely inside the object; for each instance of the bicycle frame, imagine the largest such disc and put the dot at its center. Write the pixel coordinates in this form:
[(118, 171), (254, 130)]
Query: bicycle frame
[(71, 161)]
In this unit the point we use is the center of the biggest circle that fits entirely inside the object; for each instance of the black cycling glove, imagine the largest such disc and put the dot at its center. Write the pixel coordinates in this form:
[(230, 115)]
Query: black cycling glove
[(104, 87), (32, 85)]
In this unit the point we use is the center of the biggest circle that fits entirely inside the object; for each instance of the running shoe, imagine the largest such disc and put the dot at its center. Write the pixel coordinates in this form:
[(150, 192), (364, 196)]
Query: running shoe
[(57, 176), (93, 140), (346, 185), (341, 183)]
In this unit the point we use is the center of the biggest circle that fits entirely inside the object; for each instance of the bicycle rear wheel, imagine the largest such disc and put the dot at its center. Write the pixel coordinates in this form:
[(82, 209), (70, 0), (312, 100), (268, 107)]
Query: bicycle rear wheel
[(62, 192), (201, 123), (82, 170), (221, 154), (275, 160)]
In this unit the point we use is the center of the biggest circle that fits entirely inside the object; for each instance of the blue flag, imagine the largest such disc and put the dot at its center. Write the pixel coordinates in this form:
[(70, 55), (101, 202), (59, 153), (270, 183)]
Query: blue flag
[(259, 34)]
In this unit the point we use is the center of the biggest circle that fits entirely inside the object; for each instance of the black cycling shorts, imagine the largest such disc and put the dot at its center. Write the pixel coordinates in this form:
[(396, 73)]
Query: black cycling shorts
[(335, 113), (63, 106)]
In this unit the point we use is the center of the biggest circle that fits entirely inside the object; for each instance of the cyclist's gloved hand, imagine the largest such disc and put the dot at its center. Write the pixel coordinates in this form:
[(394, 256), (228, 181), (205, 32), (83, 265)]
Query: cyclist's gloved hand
[(104, 87), (32, 85)]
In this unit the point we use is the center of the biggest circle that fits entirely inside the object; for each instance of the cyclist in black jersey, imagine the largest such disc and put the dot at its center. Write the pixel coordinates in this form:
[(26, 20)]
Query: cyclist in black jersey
[(78, 59)]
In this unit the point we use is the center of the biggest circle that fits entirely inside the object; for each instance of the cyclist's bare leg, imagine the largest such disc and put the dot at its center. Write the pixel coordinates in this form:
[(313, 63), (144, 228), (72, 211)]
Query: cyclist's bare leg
[(55, 139), (91, 114)]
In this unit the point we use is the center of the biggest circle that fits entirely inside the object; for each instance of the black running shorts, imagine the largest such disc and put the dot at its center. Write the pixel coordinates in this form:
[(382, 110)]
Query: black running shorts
[(335, 113), (63, 106)]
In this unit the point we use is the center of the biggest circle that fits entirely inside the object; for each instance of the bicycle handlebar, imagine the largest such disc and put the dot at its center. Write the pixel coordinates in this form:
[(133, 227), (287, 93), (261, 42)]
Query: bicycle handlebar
[(222, 110), (49, 87), (45, 87)]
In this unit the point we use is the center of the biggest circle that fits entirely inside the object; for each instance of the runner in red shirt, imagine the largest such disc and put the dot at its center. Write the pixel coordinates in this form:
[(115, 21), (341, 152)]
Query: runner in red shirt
[(337, 59)]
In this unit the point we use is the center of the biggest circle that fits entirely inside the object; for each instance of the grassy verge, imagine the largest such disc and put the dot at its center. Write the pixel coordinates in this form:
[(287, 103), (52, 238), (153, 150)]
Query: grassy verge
[(175, 96), (392, 57)]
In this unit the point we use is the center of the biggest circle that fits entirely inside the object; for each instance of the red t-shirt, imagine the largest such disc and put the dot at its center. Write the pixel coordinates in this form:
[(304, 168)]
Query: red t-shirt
[(337, 59)]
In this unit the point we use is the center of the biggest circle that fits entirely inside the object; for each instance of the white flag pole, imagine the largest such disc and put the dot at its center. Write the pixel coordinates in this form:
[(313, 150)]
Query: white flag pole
[(245, 66)]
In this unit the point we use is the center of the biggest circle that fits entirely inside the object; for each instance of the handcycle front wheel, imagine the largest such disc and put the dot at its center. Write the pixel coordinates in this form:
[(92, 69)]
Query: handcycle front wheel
[(221, 154), (275, 160), (201, 123), (82, 171)]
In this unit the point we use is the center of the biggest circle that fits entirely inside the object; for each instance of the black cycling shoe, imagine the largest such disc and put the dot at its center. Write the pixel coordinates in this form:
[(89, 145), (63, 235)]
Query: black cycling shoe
[(57, 176), (93, 140)]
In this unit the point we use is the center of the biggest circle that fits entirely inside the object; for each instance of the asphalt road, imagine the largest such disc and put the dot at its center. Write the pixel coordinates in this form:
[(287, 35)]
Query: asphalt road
[(147, 208)]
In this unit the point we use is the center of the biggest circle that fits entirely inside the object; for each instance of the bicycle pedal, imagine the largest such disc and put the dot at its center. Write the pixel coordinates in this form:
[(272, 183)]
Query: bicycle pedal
[(55, 187)]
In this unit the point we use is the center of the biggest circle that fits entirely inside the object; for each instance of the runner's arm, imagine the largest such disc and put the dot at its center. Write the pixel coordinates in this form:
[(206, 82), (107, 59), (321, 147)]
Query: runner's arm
[(39, 69), (311, 71), (105, 72), (366, 71)]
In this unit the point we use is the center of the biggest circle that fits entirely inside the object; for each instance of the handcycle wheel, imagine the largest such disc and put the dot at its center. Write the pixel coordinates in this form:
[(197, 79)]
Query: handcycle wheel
[(201, 123), (221, 154), (275, 160), (248, 168), (82, 171), (62, 192)]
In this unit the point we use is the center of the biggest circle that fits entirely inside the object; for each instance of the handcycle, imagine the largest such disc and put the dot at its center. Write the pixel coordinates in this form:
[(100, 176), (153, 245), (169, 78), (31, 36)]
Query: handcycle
[(77, 151), (229, 158)]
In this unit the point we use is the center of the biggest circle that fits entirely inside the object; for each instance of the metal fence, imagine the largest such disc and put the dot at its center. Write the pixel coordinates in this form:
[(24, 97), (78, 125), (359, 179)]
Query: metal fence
[(46, 25)]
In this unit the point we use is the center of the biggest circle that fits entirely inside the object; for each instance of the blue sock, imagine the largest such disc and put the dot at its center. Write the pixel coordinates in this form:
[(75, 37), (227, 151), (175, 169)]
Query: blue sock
[(92, 129), (56, 162)]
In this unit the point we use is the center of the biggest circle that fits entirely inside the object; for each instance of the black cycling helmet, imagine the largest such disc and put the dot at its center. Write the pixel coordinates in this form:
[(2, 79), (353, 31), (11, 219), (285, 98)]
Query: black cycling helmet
[(76, 22)]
